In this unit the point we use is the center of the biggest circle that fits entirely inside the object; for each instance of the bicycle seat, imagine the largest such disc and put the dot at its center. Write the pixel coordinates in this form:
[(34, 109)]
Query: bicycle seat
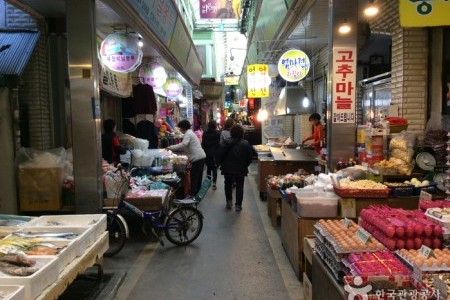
[(187, 201)]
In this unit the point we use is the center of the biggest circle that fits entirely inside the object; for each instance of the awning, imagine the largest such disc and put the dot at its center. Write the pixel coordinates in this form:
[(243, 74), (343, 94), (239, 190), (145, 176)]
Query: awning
[(16, 47)]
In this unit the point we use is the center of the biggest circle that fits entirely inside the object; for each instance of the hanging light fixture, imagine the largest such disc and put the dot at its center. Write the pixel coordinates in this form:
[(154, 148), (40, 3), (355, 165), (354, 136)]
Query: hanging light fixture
[(371, 10), (262, 115), (344, 28)]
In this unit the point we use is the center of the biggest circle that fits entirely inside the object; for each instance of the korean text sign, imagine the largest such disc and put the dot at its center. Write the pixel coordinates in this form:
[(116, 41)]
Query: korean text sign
[(414, 13), (258, 81), (344, 82)]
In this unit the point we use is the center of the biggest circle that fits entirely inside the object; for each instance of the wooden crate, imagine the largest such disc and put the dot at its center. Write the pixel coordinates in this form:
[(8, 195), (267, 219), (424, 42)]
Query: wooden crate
[(40, 189)]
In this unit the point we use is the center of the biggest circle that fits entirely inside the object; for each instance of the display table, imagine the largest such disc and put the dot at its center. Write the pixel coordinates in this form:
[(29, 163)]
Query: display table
[(92, 256), (324, 286), (294, 229)]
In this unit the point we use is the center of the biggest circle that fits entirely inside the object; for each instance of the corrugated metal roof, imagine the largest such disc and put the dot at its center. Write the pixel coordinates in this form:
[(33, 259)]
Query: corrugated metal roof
[(16, 47)]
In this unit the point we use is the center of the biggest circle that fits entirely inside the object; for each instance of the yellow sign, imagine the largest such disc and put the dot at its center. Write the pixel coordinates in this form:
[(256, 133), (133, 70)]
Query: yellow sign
[(258, 81), (293, 65), (414, 13), (231, 80)]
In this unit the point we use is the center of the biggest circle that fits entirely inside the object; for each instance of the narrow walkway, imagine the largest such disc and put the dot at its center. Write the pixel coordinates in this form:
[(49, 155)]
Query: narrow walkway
[(237, 256)]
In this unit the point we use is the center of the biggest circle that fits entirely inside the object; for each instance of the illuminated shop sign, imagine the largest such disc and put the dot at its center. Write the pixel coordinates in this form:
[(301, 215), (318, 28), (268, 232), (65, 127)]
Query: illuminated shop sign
[(258, 81), (293, 65), (120, 52), (153, 74)]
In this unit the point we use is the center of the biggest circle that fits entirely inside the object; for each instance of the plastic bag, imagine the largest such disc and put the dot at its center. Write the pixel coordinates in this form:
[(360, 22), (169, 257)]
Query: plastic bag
[(141, 144), (353, 172), (113, 181), (32, 158), (404, 141), (405, 156)]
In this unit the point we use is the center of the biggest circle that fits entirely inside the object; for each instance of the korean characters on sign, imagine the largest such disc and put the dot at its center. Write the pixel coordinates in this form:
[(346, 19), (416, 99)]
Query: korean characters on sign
[(258, 81), (344, 82)]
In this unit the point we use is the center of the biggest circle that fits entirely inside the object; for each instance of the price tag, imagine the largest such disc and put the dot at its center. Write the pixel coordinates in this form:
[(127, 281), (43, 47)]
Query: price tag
[(441, 286), (425, 251), (424, 196), (363, 235), (347, 223)]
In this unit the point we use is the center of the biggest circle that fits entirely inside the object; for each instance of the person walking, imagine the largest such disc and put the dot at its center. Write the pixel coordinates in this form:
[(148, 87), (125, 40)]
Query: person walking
[(225, 134), (194, 151), (110, 142), (211, 146), (235, 156)]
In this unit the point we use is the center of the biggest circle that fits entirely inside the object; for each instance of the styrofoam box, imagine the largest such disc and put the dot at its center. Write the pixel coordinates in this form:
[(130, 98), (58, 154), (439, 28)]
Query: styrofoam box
[(37, 282), (65, 257), (97, 222), (84, 239), (13, 292), (5, 230), (317, 204)]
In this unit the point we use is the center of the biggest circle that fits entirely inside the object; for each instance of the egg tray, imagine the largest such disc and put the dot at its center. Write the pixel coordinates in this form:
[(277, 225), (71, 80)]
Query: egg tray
[(328, 238), (337, 271), (432, 269), (329, 252)]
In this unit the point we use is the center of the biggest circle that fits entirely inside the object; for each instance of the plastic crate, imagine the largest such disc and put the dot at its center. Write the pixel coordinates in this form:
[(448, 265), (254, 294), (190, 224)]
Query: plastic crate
[(317, 205)]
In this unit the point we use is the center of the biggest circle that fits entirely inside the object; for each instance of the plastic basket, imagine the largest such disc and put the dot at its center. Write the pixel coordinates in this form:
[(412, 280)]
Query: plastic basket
[(429, 189), (401, 191), (359, 193)]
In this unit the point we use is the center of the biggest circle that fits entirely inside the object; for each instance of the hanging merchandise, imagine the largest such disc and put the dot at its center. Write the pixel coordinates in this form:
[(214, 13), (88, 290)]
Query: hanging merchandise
[(153, 74), (120, 52), (173, 88), (144, 99)]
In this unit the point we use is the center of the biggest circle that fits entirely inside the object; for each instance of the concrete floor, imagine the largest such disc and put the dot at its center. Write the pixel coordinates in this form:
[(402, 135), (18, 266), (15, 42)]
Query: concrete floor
[(237, 256)]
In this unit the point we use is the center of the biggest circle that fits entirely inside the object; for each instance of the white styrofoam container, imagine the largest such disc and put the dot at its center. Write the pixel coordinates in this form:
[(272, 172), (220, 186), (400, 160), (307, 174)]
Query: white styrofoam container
[(97, 222), (84, 239), (5, 230), (37, 282), (13, 292), (317, 204)]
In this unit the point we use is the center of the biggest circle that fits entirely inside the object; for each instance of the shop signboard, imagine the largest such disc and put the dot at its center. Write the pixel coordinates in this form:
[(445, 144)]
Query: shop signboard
[(152, 74), (231, 80), (211, 90), (258, 81), (189, 104), (424, 13), (344, 82), (173, 88), (220, 9), (120, 52), (161, 16), (118, 84), (293, 65)]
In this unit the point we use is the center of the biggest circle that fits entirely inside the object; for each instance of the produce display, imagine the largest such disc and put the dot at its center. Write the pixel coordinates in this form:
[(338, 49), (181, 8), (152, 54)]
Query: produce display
[(347, 183), (382, 263), (345, 240), (348, 188), (288, 180), (439, 261), (417, 183), (424, 205), (401, 229), (400, 189), (15, 244)]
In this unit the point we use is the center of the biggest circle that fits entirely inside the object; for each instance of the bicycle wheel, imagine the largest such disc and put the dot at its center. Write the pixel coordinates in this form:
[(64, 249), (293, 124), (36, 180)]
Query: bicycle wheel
[(183, 225), (117, 234)]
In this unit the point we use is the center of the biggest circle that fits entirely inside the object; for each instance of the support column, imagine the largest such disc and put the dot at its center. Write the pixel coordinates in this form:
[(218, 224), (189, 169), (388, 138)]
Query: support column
[(341, 133), (85, 105)]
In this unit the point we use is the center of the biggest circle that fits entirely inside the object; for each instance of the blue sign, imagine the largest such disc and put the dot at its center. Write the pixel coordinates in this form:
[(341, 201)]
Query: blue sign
[(160, 15)]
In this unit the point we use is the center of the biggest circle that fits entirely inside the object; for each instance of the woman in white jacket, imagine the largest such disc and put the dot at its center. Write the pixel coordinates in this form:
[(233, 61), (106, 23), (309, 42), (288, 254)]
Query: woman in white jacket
[(194, 151)]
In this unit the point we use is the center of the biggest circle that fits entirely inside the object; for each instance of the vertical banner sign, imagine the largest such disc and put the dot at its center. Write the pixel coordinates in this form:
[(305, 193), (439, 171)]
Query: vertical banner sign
[(423, 13), (344, 82), (189, 104), (258, 81)]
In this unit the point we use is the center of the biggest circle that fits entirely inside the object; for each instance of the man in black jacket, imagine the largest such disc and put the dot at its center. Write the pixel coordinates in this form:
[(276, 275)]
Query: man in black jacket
[(235, 156)]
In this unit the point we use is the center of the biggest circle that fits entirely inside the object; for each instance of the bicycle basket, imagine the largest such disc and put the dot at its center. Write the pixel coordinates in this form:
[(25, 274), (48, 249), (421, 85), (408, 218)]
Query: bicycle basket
[(206, 184)]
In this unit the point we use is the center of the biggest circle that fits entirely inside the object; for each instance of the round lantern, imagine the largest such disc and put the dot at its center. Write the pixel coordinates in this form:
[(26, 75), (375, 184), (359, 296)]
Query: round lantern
[(153, 74), (173, 88), (120, 52), (293, 65)]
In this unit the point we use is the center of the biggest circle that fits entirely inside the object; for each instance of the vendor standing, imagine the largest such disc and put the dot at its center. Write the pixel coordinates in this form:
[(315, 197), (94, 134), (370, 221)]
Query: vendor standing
[(194, 151), (110, 143), (318, 133)]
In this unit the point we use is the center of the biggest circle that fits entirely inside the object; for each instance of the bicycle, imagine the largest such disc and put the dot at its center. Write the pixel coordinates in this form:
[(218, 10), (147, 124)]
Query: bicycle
[(180, 220)]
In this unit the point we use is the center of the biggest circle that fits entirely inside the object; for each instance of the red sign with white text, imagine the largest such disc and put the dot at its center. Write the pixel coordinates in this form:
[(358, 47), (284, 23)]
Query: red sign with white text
[(344, 85)]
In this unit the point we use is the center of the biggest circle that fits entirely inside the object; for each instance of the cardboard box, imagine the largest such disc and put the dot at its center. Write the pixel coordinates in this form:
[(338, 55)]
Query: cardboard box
[(40, 189)]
